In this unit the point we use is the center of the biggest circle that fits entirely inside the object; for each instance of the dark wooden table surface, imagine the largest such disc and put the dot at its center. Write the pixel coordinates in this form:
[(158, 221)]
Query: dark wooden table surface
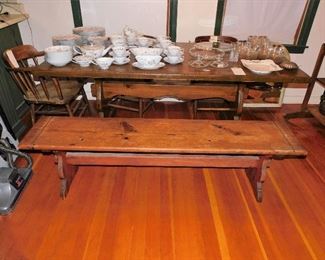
[(181, 71), (182, 74)]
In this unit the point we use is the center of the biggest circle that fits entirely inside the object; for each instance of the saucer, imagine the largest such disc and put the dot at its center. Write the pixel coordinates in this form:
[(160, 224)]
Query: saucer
[(127, 53), (158, 66), (180, 60), (126, 60)]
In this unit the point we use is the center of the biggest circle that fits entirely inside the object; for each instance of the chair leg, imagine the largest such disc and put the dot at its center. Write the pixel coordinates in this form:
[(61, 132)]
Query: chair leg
[(32, 113), (87, 103), (194, 109), (140, 107), (67, 106)]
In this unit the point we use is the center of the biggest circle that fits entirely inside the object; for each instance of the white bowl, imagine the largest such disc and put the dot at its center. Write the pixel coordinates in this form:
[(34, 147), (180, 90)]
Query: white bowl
[(148, 60), (146, 51), (59, 55)]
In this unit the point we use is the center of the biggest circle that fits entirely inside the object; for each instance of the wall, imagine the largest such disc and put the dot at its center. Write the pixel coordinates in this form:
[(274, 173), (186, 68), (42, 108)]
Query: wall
[(148, 17), (48, 18)]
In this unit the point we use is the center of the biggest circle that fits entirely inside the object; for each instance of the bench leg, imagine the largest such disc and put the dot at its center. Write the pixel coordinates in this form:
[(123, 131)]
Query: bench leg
[(66, 173), (257, 177)]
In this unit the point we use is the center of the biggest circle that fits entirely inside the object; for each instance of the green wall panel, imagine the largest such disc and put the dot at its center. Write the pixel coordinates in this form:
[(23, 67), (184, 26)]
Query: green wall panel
[(11, 99)]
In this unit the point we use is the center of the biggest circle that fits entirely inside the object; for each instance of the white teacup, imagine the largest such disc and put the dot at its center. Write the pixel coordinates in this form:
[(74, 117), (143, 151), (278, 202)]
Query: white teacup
[(148, 60), (144, 41), (131, 40), (83, 61), (162, 37), (164, 43), (120, 60), (119, 51), (104, 62), (118, 40), (174, 59), (175, 51)]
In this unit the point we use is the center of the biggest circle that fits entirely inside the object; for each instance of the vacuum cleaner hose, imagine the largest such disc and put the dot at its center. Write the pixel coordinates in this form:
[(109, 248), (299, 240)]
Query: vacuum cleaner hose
[(5, 147)]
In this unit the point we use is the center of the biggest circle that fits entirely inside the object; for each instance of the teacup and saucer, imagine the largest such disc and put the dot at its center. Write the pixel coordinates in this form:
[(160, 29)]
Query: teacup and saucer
[(104, 62), (174, 59), (120, 60), (82, 60), (175, 54)]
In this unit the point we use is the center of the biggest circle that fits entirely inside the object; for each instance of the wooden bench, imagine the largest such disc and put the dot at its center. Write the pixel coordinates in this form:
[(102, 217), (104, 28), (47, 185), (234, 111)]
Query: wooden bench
[(162, 142)]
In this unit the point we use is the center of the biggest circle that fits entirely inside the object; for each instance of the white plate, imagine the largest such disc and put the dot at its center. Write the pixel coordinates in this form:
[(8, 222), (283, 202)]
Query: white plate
[(262, 67), (180, 60), (127, 60), (158, 66), (261, 72)]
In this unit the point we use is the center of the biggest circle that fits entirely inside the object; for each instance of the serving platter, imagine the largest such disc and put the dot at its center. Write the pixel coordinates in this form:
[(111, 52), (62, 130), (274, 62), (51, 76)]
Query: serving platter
[(262, 67)]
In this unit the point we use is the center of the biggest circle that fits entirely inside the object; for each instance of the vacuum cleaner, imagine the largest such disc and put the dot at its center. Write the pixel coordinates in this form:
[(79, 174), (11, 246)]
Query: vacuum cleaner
[(12, 179)]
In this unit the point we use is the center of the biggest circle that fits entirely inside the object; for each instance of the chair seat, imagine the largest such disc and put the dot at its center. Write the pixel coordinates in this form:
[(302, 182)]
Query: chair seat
[(70, 89)]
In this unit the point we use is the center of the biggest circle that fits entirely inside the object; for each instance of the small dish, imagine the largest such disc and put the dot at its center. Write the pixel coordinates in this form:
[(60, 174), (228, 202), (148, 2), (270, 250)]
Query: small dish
[(289, 65), (139, 66), (111, 53), (126, 60), (180, 60)]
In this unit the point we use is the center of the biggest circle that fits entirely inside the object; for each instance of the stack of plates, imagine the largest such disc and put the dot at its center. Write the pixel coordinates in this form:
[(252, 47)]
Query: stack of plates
[(70, 40), (90, 31)]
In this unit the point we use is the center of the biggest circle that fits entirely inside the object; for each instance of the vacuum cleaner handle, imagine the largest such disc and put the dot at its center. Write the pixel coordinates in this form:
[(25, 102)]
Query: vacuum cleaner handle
[(5, 147)]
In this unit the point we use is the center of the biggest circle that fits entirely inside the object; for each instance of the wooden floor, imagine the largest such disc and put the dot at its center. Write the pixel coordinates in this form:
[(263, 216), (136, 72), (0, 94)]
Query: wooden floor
[(165, 213)]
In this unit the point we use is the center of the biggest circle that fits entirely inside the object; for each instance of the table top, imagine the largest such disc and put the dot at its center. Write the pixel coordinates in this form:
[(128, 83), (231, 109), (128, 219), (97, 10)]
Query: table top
[(161, 136), (180, 72)]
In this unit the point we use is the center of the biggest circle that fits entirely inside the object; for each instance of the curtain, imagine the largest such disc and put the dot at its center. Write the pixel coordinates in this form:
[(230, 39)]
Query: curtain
[(277, 19)]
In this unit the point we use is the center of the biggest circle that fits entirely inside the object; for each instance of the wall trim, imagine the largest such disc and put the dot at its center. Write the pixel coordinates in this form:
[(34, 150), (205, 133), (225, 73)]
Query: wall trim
[(76, 12)]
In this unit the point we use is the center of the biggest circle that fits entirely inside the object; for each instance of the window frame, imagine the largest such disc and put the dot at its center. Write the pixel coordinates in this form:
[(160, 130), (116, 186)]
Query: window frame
[(298, 46), (304, 27)]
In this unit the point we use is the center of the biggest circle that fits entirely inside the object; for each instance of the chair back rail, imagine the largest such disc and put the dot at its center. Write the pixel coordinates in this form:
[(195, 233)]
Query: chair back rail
[(43, 91)]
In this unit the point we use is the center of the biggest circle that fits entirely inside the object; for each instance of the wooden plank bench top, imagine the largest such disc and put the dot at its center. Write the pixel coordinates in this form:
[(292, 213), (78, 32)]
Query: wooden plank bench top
[(161, 142), (161, 136)]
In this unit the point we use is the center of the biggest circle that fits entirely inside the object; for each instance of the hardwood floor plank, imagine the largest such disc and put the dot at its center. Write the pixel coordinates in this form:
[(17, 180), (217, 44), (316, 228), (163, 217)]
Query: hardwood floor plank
[(236, 221), (305, 204), (223, 245), (278, 232), (189, 242)]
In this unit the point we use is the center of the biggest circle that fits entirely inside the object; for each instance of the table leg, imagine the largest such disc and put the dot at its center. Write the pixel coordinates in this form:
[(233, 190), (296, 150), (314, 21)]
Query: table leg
[(99, 97), (66, 173), (257, 176)]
